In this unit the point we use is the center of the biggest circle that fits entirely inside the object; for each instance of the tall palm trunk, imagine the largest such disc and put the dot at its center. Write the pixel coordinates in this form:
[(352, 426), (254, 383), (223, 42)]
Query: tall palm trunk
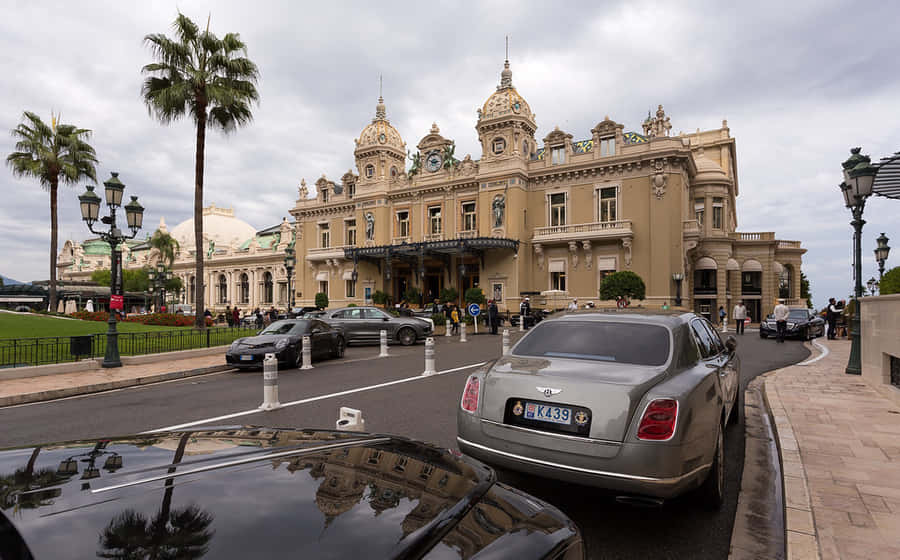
[(54, 183), (200, 283)]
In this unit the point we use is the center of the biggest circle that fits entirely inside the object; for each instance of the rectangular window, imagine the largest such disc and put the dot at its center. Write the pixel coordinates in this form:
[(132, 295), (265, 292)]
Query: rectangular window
[(718, 207), (324, 236), (608, 204), (558, 155), (699, 207), (350, 288), (558, 209), (350, 226), (323, 286), (351, 189), (497, 291), (468, 215), (434, 220), (558, 275), (607, 147), (403, 223)]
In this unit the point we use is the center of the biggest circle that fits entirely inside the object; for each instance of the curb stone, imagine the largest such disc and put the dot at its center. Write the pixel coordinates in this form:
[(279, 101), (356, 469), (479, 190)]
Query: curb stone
[(99, 387)]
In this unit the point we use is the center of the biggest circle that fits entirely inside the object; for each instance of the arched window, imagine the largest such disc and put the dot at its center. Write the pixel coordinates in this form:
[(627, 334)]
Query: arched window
[(784, 281), (245, 289), (223, 289), (192, 285), (267, 287), (370, 171)]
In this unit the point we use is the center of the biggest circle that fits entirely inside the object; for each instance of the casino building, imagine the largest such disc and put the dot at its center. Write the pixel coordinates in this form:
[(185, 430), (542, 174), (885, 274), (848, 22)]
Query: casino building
[(547, 218)]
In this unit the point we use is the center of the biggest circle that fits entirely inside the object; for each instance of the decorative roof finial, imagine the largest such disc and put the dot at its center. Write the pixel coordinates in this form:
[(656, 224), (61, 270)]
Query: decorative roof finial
[(506, 74), (380, 110)]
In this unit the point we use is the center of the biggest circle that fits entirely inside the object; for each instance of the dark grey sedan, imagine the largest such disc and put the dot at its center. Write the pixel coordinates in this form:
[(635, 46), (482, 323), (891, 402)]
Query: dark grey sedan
[(285, 339), (634, 403), (364, 324)]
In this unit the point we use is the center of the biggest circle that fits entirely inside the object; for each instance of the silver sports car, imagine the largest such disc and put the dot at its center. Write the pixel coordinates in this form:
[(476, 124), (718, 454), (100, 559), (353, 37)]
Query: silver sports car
[(636, 403)]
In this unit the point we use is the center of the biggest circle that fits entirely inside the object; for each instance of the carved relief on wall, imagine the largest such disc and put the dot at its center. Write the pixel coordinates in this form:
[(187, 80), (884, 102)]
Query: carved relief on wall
[(573, 250), (588, 254), (539, 255), (626, 245), (467, 167), (658, 181)]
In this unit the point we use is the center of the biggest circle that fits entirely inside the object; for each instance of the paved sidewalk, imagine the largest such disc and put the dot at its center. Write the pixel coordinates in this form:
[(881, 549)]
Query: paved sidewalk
[(840, 447), (45, 387)]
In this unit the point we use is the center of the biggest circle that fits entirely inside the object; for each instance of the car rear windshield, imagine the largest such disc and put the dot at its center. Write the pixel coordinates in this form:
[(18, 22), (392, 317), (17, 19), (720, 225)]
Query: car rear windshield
[(626, 343)]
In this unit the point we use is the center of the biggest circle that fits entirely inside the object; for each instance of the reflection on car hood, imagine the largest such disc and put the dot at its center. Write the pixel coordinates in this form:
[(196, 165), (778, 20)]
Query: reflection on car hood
[(262, 339), (231, 493)]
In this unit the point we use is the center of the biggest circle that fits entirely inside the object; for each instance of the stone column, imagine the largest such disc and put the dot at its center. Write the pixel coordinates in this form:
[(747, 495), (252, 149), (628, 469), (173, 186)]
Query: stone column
[(721, 283)]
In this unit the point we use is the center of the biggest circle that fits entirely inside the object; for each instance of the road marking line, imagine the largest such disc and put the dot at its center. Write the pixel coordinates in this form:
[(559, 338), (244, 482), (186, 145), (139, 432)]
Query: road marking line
[(822, 348), (312, 399)]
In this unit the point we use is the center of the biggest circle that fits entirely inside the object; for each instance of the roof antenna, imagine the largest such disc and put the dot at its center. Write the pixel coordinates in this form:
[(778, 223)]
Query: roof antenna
[(507, 48), (380, 84)]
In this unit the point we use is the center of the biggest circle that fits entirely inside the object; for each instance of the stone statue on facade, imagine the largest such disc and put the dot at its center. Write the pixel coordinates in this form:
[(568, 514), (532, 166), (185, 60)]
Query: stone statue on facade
[(303, 191), (370, 226), (498, 208), (658, 126)]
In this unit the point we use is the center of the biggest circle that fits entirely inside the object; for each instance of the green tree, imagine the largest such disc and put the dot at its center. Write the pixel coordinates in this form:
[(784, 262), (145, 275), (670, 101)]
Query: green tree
[(379, 298), (54, 154), (101, 276), (475, 295), (208, 79), (133, 279), (890, 282), (166, 245), (805, 290), (321, 300), (624, 283)]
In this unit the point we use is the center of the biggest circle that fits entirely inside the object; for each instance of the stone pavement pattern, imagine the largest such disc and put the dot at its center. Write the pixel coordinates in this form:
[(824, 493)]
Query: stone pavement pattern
[(124, 374), (840, 446)]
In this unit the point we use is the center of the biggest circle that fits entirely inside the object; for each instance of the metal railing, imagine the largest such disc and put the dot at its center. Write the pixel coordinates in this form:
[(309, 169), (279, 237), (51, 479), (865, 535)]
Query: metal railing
[(21, 352)]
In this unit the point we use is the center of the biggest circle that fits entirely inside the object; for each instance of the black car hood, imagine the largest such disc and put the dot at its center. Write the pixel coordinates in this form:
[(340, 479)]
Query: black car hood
[(264, 339), (251, 492)]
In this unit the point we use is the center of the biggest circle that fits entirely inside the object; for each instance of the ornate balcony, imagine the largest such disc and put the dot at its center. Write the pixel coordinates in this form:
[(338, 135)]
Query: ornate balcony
[(326, 253), (593, 230), (752, 235)]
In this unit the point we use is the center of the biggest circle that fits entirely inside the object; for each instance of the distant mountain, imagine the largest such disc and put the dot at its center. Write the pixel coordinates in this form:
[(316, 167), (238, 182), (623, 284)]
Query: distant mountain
[(9, 281)]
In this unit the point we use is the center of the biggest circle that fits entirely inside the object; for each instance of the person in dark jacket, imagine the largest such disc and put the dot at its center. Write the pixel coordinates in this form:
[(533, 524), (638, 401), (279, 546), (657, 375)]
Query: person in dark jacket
[(493, 316), (229, 316), (831, 317), (524, 312)]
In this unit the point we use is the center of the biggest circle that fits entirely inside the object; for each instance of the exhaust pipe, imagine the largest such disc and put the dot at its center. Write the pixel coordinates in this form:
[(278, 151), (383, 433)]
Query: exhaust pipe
[(640, 501)]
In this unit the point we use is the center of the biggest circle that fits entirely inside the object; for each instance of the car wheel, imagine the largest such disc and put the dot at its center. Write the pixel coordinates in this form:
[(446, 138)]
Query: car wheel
[(712, 492), (406, 336), (339, 346)]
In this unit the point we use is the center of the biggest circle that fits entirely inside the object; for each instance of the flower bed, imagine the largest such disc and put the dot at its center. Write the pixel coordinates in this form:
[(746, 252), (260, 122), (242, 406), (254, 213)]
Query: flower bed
[(158, 319)]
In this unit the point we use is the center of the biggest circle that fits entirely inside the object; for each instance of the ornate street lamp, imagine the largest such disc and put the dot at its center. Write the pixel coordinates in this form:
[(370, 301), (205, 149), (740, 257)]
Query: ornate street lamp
[(859, 176), (159, 278), (134, 216), (881, 253), (872, 284), (290, 261), (677, 277)]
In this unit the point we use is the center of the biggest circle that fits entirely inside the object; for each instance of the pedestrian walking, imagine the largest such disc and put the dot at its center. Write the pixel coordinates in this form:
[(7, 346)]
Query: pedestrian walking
[(831, 316), (740, 315), (493, 316), (781, 313), (721, 314), (236, 317), (524, 312), (573, 305), (229, 317), (454, 319)]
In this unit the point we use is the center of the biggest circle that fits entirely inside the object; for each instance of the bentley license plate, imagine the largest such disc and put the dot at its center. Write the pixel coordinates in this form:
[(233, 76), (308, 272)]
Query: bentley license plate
[(548, 413), (246, 358)]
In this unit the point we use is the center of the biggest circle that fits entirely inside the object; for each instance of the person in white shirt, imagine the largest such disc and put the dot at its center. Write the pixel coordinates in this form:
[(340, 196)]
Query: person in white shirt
[(781, 313), (740, 314), (573, 305), (831, 315)]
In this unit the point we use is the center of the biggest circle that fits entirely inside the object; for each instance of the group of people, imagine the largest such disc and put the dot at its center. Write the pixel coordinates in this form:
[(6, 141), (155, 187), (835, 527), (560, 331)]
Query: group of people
[(258, 316), (835, 311)]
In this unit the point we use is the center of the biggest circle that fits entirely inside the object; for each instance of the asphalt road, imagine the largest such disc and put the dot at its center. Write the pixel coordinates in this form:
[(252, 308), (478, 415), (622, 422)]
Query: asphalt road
[(394, 399)]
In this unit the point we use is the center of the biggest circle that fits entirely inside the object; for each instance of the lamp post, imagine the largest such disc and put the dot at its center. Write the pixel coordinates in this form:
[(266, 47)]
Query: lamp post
[(872, 284), (290, 261), (677, 277), (158, 279), (881, 253), (859, 175), (134, 215)]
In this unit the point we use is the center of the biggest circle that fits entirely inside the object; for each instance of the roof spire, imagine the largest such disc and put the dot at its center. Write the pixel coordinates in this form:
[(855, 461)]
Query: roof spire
[(506, 74), (380, 110)]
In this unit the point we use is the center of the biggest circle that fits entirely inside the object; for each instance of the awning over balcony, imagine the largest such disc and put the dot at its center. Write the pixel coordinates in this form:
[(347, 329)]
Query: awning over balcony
[(322, 277), (472, 246)]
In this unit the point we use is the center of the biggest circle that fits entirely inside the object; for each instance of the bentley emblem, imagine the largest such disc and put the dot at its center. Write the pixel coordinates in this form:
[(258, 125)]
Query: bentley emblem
[(518, 409), (581, 418), (549, 391)]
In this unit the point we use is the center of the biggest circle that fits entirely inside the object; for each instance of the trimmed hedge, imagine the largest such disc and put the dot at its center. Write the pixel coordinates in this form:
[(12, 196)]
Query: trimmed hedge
[(157, 319)]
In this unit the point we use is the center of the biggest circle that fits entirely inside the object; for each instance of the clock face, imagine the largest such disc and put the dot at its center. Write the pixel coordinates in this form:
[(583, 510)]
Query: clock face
[(382, 138), (433, 162)]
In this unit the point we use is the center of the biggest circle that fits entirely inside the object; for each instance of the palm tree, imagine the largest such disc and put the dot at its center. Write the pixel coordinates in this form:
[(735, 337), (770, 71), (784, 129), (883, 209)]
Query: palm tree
[(212, 81), (166, 245), (52, 154)]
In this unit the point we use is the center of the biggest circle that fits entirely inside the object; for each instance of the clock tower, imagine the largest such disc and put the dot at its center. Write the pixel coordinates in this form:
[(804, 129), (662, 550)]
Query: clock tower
[(506, 125), (380, 152)]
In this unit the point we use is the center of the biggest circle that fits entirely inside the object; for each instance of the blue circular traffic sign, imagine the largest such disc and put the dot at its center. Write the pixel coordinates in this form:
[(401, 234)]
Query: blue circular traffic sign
[(474, 309)]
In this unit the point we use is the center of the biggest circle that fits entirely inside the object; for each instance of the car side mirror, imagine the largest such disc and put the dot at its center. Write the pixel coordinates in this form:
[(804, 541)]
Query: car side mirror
[(385, 319), (731, 344)]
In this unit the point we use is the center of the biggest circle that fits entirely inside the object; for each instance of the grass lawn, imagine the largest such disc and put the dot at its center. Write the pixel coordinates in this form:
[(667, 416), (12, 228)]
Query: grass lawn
[(30, 340), (22, 325)]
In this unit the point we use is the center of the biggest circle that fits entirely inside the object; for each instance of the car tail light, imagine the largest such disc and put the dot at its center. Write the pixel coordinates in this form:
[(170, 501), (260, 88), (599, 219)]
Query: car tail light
[(658, 422), (469, 401)]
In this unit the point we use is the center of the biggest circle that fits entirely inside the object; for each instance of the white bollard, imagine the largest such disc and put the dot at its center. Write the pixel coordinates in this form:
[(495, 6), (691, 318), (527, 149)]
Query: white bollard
[(521, 323), (462, 331), (449, 328), (429, 357), (307, 354), (725, 323), (505, 342), (270, 383), (350, 420), (384, 352)]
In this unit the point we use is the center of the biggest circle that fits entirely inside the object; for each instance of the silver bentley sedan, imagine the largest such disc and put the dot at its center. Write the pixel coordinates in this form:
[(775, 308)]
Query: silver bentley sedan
[(635, 403)]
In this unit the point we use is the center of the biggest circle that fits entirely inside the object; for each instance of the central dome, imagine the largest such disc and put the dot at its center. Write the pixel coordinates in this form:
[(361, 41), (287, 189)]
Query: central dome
[(506, 100), (219, 225)]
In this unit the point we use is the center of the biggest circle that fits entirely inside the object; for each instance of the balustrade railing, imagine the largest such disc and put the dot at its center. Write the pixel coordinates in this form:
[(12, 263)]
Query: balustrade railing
[(590, 227)]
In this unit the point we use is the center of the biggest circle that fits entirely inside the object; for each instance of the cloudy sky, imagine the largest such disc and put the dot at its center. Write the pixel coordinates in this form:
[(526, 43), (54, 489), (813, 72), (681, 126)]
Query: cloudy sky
[(799, 82)]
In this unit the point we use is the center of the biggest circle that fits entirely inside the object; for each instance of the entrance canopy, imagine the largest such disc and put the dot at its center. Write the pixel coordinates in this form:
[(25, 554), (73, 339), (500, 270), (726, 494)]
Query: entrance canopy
[(439, 249)]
